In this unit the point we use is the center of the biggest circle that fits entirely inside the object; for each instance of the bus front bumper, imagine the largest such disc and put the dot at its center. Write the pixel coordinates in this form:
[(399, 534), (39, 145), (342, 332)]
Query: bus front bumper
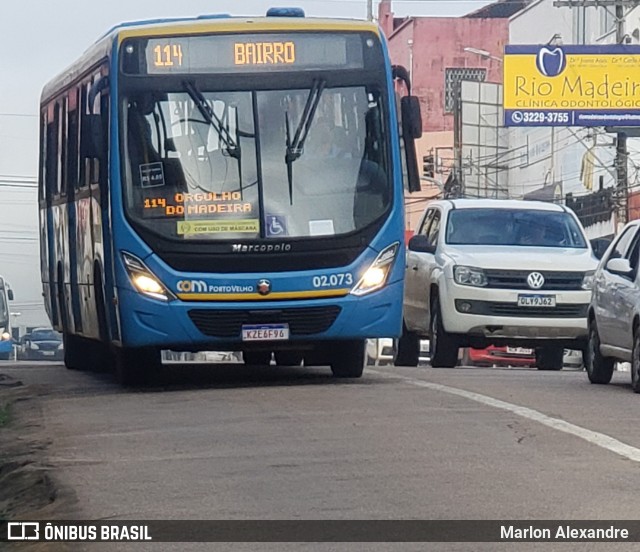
[(182, 325)]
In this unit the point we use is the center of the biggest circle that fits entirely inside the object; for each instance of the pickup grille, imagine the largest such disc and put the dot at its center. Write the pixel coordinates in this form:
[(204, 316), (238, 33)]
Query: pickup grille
[(228, 323), (517, 279)]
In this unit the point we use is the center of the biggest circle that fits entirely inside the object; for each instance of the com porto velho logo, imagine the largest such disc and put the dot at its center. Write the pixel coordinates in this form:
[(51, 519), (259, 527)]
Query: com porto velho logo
[(551, 62)]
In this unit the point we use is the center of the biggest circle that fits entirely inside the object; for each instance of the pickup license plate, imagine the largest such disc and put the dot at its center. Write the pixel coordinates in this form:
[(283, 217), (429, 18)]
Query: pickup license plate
[(265, 332), (519, 351), (536, 301)]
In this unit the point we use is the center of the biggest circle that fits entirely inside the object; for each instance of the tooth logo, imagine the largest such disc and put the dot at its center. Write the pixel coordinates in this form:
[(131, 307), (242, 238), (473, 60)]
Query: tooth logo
[(551, 62)]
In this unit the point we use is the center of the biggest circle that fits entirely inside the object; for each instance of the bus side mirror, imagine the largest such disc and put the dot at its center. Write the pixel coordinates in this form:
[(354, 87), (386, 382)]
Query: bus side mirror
[(10, 294), (92, 136), (411, 130), (411, 117)]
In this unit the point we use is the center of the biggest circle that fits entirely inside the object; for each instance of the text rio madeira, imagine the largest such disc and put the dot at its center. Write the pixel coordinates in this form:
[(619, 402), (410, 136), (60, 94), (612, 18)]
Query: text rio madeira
[(580, 79)]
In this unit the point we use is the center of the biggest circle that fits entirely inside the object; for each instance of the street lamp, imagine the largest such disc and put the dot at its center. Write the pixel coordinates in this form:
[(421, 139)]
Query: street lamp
[(482, 53)]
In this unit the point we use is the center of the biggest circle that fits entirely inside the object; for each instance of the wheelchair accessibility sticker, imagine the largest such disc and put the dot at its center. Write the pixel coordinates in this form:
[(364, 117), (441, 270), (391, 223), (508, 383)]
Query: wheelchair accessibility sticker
[(276, 226)]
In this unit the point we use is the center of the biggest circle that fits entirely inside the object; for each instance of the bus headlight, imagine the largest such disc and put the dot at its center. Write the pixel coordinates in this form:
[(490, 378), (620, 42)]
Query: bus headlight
[(145, 281), (6, 336), (376, 275)]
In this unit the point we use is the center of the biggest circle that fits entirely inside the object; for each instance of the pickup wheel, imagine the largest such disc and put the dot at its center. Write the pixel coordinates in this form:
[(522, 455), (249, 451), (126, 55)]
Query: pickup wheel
[(599, 369), (444, 346), (407, 351), (549, 357)]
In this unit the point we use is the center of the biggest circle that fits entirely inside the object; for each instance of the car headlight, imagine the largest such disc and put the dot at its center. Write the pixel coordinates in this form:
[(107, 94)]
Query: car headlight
[(469, 276), (35, 346), (61, 346), (6, 336), (588, 280), (376, 275), (145, 281)]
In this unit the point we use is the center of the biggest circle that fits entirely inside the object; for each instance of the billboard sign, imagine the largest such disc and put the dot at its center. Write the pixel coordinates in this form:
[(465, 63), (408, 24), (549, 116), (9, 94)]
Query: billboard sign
[(572, 85)]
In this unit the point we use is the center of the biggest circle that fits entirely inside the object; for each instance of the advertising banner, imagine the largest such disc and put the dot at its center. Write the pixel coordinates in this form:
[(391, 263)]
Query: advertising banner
[(572, 85)]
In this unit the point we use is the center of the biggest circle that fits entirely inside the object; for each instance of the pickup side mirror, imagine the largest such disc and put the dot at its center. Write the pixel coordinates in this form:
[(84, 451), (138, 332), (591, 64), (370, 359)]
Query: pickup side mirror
[(622, 267), (10, 294), (600, 246), (421, 244)]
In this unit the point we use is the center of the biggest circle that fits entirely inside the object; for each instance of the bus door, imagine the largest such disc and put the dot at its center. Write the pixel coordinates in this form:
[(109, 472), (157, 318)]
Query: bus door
[(97, 264), (72, 186)]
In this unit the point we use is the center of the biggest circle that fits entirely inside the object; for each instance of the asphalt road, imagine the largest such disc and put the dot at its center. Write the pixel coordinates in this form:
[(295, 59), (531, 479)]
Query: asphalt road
[(229, 442)]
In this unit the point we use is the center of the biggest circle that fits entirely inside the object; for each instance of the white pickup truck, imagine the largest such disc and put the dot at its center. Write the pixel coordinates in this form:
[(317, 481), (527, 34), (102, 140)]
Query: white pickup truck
[(496, 272)]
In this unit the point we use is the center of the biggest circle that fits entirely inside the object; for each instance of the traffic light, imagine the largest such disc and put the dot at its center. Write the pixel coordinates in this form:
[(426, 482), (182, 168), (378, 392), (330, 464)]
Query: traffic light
[(429, 166)]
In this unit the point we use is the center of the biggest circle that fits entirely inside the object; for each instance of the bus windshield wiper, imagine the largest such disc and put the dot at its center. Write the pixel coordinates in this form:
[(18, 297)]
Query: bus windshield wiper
[(231, 144), (295, 146)]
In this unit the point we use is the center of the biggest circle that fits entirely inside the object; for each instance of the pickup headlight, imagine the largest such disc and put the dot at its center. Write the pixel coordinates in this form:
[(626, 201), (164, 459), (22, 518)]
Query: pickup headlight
[(469, 276), (589, 278), (376, 275), (145, 281)]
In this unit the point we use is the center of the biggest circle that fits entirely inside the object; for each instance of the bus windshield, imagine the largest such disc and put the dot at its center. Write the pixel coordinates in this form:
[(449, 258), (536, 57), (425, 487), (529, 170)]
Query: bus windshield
[(4, 311), (255, 164)]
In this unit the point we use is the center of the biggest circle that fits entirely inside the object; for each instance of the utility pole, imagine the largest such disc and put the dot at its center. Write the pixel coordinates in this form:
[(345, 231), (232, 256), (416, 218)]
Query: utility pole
[(621, 141), (622, 184)]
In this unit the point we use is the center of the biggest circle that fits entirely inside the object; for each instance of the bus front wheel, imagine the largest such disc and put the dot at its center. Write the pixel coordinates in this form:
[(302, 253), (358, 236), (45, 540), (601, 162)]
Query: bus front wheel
[(136, 367), (349, 359)]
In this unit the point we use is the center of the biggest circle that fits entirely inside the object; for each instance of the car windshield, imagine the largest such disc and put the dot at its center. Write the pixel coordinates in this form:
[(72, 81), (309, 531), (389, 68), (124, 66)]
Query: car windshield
[(509, 227), (211, 165), (45, 335)]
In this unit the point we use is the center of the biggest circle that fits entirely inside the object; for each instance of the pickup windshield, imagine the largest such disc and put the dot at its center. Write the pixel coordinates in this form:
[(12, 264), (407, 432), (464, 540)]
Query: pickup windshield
[(217, 165), (534, 228)]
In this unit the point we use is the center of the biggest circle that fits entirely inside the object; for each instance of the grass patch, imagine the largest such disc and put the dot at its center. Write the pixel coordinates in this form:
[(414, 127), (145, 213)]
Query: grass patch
[(5, 414)]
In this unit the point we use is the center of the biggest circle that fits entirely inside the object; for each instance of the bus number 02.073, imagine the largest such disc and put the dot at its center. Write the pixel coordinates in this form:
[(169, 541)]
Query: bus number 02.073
[(168, 55), (333, 280)]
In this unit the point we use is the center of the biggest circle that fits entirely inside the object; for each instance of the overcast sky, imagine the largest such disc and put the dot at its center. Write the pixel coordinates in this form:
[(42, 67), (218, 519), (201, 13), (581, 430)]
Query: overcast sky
[(39, 39)]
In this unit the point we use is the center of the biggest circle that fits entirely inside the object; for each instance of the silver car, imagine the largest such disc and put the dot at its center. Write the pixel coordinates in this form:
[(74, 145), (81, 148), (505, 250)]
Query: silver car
[(614, 312)]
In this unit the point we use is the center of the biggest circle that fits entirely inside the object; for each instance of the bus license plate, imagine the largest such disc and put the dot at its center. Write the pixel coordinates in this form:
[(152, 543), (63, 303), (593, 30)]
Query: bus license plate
[(265, 332), (536, 300)]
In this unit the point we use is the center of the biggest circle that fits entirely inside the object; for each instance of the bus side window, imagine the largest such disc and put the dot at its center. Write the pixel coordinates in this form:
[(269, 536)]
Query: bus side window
[(51, 165), (62, 140), (72, 142)]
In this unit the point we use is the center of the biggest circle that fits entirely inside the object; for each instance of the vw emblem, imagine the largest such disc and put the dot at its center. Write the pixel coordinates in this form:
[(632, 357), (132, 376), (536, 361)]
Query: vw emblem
[(535, 280), (264, 287)]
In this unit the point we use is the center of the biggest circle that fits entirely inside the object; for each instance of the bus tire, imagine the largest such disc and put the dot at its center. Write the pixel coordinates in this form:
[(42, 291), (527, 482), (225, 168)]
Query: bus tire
[(137, 366), (257, 358), (76, 352), (288, 358), (349, 359)]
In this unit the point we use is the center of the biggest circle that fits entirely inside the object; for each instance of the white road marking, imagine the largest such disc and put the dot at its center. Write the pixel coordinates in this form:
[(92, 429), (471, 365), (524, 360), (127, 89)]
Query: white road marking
[(595, 438)]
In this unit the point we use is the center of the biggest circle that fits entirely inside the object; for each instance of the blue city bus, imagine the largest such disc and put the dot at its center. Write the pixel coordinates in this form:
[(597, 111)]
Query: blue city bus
[(6, 336), (224, 183)]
